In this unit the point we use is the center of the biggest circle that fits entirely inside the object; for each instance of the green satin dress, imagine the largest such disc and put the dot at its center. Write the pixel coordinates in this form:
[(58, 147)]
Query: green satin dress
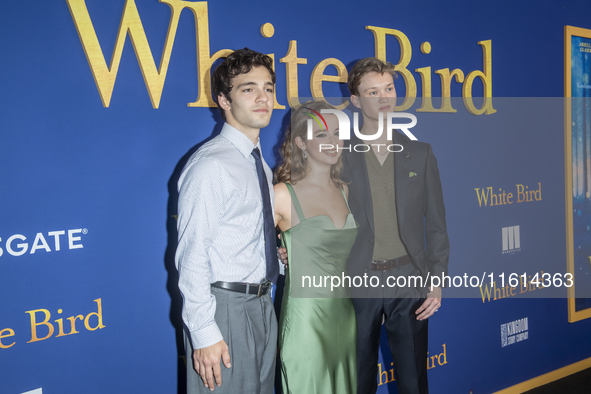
[(317, 326)]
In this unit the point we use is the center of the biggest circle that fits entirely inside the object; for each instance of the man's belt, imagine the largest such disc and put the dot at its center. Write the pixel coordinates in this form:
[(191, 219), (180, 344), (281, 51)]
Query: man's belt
[(259, 290), (386, 265)]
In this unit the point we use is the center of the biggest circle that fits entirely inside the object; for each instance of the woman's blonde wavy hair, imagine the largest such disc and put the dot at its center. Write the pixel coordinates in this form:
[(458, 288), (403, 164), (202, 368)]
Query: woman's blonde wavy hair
[(294, 167)]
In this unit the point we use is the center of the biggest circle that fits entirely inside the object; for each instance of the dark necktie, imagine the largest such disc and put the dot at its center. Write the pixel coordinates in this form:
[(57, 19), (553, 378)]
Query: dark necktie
[(270, 244)]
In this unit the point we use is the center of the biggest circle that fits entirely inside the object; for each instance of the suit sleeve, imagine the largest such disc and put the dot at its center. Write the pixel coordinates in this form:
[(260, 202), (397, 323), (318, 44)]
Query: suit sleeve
[(200, 207), (435, 224)]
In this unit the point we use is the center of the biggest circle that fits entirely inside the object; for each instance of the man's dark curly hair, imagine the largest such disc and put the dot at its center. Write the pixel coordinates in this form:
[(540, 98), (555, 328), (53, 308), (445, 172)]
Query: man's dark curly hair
[(239, 62)]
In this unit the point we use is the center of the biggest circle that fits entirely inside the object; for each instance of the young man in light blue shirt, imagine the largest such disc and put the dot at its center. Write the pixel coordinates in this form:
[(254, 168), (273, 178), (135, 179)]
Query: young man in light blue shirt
[(226, 254)]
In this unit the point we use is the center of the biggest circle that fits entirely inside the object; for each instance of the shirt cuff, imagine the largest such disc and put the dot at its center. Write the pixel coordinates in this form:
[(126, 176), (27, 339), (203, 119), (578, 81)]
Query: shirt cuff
[(281, 266), (207, 336)]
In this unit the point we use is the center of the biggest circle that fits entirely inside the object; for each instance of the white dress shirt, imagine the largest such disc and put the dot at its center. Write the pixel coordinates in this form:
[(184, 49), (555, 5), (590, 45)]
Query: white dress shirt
[(220, 226)]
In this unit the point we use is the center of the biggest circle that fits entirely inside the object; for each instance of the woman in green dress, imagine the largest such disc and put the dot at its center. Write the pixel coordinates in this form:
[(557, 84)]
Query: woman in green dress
[(317, 327)]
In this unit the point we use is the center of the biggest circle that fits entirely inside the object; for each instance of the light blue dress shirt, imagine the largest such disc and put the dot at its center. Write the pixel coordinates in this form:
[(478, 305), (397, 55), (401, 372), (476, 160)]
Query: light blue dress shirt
[(220, 226)]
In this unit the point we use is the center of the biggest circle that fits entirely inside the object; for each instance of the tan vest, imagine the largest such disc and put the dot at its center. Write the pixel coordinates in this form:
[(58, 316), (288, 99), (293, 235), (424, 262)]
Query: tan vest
[(381, 180)]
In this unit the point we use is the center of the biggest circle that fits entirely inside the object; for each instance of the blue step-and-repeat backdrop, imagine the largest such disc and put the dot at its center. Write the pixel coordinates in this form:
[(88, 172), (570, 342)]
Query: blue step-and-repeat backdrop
[(102, 102)]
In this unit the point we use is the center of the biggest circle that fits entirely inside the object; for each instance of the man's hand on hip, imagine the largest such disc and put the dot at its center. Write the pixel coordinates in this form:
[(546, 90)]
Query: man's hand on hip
[(206, 362), (431, 304)]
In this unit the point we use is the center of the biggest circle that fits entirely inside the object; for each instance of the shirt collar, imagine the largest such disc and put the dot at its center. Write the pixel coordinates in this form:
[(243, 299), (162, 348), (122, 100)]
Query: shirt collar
[(239, 140)]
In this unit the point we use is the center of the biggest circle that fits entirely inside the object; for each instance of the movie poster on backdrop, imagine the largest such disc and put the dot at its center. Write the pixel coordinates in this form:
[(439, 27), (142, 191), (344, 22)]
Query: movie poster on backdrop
[(577, 92)]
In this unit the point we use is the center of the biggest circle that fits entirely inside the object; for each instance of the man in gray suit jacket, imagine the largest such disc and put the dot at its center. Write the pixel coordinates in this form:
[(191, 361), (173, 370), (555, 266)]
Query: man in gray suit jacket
[(395, 196)]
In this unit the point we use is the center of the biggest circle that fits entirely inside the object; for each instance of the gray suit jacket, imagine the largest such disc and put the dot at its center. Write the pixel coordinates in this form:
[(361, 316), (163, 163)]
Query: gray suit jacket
[(419, 208)]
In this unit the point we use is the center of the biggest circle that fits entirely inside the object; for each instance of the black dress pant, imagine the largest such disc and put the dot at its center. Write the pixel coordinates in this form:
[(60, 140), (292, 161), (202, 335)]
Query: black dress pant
[(407, 336)]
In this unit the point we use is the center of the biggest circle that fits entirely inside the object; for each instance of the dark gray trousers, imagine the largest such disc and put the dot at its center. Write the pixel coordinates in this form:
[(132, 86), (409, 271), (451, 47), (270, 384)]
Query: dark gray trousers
[(407, 336), (249, 327)]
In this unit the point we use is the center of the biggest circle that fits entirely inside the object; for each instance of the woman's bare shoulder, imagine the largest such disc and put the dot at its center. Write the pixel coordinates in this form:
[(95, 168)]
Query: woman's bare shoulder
[(281, 189), (282, 196)]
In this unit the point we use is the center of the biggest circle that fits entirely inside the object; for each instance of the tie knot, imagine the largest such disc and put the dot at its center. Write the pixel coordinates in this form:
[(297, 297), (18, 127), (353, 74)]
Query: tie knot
[(256, 153)]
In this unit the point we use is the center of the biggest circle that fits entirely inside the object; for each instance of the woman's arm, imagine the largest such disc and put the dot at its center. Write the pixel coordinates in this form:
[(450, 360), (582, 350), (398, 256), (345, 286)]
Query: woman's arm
[(282, 207)]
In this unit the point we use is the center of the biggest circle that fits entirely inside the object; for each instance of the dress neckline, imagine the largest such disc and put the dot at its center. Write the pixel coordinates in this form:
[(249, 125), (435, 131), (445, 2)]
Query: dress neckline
[(301, 215)]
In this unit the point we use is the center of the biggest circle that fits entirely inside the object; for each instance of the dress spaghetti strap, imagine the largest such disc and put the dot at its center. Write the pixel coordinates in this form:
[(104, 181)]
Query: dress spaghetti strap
[(345, 197), (295, 201)]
